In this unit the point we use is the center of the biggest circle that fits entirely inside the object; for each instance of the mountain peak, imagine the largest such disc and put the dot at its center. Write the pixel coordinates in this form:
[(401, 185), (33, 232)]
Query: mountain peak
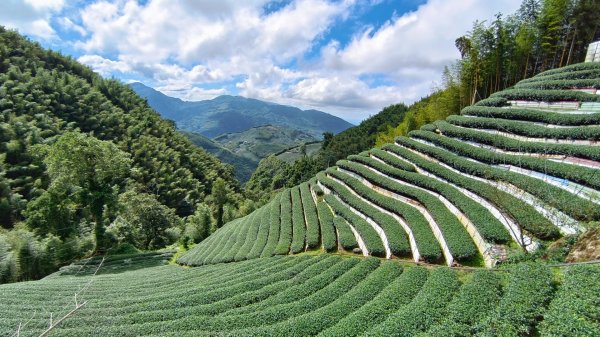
[(227, 114)]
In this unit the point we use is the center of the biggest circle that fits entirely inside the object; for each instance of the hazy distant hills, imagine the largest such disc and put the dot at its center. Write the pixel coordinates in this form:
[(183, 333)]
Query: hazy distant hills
[(259, 142), (227, 114)]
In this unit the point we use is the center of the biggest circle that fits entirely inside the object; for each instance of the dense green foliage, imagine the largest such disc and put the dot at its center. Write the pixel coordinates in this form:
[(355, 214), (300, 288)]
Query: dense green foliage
[(71, 143), (438, 105), (541, 35), (574, 311), (523, 303)]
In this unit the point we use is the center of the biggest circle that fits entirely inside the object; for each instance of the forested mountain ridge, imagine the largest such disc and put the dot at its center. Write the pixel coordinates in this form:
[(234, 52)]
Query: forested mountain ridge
[(226, 114), (50, 104), (242, 166)]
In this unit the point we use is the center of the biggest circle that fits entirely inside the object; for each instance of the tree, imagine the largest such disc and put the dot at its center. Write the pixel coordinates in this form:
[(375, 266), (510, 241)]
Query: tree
[(145, 220), (198, 225), (85, 171), (221, 194)]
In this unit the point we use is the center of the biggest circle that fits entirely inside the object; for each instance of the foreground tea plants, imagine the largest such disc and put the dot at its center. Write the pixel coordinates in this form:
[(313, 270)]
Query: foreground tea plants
[(323, 295)]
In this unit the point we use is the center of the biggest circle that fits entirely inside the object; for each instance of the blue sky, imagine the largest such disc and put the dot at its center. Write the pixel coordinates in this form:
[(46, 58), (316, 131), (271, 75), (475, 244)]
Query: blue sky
[(350, 58)]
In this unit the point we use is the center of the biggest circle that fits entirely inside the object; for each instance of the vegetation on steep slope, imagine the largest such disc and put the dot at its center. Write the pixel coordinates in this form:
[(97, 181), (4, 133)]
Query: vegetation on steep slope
[(80, 154), (461, 190)]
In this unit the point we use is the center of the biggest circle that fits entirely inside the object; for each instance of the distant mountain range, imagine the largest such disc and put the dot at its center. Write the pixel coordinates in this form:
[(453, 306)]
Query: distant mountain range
[(227, 114), (241, 131)]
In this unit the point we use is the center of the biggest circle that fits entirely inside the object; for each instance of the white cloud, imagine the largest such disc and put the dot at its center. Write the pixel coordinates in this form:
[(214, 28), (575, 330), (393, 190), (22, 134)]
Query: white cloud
[(41, 5), (190, 93), (31, 17), (423, 39), (184, 47), (103, 65), (69, 25)]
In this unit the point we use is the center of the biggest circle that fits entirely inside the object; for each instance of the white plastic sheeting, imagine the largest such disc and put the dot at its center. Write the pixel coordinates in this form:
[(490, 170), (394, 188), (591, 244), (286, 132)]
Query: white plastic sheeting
[(512, 227), (593, 52), (564, 222), (538, 140)]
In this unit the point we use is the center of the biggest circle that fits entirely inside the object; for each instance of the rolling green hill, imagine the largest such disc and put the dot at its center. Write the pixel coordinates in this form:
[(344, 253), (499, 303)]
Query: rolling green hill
[(292, 154), (515, 171), (243, 167)]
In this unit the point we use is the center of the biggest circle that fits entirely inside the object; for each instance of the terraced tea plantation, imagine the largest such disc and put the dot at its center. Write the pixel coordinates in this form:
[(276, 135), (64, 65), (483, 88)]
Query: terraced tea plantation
[(321, 295), (516, 170), (336, 256)]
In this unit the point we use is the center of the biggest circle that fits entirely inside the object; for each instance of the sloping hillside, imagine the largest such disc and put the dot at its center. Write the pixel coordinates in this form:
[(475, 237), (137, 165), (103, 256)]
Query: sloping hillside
[(324, 295), (516, 170), (226, 114), (110, 150), (243, 167)]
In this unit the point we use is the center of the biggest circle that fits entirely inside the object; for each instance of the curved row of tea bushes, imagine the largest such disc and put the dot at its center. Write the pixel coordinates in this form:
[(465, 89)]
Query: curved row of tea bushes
[(298, 223), (509, 144), (530, 115), (285, 231), (575, 309), (488, 226), (399, 293), (475, 300), (527, 129), (428, 246), (346, 237), (459, 242), (546, 95), (583, 210), (312, 220), (425, 310), (263, 234), (274, 230), (578, 174), (396, 238), (577, 71), (322, 295), (315, 321), (388, 158), (524, 301), (328, 233), (366, 231), (512, 207), (554, 84)]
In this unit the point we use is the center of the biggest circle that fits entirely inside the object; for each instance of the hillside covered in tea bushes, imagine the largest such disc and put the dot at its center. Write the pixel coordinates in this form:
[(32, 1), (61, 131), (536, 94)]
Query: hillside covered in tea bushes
[(323, 295), (516, 171)]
